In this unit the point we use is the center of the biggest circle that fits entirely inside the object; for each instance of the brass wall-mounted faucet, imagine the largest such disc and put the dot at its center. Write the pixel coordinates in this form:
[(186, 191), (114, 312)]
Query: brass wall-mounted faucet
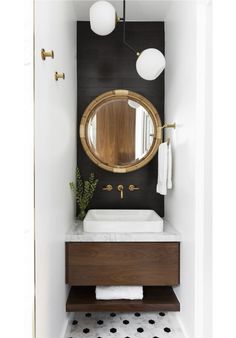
[(108, 187), (133, 187), (120, 188)]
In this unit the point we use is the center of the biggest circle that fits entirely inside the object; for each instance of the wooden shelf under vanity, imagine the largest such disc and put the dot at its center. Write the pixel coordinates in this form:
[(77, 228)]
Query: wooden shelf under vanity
[(156, 298)]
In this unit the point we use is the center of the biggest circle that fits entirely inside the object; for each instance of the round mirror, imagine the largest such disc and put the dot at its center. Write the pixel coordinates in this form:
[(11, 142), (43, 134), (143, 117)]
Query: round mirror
[(120, 131)]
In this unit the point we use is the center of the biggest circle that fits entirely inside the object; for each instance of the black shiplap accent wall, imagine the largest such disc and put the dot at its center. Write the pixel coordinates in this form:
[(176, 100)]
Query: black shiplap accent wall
[(103, 64)]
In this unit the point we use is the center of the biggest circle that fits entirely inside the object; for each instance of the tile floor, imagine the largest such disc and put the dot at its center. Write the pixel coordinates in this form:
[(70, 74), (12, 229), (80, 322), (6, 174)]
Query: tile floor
[(125, 325)]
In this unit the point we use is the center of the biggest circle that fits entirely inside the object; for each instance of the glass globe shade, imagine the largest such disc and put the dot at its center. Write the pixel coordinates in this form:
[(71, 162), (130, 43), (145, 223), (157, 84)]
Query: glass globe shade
[(102, 18), (150, 63)]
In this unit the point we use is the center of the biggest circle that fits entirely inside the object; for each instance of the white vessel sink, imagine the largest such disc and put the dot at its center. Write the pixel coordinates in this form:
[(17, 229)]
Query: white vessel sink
[(102, 220)]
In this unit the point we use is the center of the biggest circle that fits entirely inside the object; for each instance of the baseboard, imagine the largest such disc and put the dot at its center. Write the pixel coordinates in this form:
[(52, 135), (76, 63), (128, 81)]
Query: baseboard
[(67, 326), (181, 325)]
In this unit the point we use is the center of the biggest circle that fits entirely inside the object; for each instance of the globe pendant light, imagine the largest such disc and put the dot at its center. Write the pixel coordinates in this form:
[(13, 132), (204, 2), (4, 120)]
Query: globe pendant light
[(150, 63), (102, 18)]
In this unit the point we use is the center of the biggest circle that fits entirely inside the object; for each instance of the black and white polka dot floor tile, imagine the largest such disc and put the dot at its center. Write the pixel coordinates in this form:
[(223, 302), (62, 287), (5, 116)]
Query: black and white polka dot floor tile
[(125, 325)]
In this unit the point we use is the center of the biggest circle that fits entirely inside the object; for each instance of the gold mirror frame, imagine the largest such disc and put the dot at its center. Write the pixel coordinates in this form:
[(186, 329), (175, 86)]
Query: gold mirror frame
[(126, 94)]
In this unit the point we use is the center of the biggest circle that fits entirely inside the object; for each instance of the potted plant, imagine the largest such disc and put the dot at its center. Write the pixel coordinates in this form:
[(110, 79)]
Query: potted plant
[(83, 191)]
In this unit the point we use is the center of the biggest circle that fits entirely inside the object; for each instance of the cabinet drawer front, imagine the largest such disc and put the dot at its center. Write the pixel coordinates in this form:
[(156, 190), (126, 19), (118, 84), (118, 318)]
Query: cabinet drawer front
[(122, 263)]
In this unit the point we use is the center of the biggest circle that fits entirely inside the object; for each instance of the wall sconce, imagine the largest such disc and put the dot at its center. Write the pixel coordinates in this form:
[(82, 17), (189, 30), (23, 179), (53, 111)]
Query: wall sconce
[(59, 76), (49, 54), (103, 19)]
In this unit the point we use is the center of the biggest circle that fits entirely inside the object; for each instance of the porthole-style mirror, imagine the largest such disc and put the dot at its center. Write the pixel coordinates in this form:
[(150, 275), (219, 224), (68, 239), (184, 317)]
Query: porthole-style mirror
[(120, 131)]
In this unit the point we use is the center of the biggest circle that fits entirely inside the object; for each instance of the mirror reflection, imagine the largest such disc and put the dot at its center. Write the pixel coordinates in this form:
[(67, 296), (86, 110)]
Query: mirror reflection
[(120, 132)]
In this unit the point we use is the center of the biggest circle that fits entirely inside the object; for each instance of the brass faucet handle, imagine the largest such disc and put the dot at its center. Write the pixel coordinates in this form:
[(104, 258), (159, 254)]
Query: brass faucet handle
[(108, 187), (121, 189), (133, 187)]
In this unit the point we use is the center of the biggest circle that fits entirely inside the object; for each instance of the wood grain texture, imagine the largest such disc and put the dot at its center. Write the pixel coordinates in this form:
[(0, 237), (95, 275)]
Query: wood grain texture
[(115, 135), (103, 64), (122, 263), (82, 298)]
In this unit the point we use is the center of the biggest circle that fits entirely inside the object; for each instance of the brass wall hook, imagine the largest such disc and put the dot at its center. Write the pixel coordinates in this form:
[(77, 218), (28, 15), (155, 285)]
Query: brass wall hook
[(48, 54), (59, 76)]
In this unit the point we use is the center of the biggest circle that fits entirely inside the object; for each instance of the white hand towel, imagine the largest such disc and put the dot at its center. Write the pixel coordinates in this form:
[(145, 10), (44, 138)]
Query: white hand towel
[(119, 292), (162, 169), (169, 165)]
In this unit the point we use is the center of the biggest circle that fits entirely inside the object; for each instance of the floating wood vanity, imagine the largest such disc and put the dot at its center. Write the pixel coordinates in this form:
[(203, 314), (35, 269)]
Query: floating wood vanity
[(151, 260)]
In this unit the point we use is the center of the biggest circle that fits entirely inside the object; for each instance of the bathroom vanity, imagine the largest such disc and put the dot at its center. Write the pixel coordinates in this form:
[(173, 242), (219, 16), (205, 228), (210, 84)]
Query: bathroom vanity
[(120, 133), (148, 259)]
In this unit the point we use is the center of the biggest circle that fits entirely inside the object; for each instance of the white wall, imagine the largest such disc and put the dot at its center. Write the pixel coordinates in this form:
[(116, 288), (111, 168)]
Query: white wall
[(186, 205), (55, 160), (180, 106)]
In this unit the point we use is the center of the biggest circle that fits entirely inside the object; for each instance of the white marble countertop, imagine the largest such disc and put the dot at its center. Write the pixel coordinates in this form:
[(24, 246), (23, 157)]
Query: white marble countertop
[(76, 234)]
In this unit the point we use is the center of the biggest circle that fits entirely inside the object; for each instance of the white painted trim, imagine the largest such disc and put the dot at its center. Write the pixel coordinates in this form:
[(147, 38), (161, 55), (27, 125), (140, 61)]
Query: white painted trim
[(67, 326), (178, 318), (199, 172), (203, 126)]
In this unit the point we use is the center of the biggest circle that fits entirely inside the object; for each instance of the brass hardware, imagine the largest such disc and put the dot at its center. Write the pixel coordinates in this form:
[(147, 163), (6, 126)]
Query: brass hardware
[(59, 76), (108, 187), (48, 54), (169, 125), (121, 189), (118, 19), (133, 187)]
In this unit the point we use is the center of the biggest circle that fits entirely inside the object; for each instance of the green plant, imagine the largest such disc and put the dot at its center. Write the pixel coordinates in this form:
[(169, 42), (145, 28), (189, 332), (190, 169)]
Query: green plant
[(84, 191)]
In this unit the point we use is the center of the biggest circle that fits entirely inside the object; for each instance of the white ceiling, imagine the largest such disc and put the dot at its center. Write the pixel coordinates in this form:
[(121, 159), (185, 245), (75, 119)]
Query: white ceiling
[(136, 10)]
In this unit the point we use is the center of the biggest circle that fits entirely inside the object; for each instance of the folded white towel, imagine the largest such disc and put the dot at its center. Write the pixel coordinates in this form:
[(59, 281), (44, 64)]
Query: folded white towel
[(119, 292), (169, 165), (164, 181), (162, 169)]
